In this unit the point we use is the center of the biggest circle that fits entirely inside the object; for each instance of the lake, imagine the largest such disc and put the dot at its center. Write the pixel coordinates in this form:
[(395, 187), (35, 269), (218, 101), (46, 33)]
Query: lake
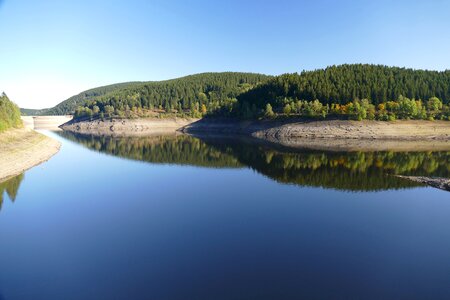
[(180, 217)]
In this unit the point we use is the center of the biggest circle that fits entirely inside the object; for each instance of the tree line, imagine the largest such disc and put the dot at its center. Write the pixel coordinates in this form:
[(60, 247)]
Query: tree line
[(354, 91), (193, 95), (403, 108), (9, 114), (357, 91)]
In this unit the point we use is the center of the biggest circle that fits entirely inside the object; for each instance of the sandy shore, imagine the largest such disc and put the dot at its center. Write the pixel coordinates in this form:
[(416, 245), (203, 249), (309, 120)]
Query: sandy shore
[(22, 149), (128, 127)]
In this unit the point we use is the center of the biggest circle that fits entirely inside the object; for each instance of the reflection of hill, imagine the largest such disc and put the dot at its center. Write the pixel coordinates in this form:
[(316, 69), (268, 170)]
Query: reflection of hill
[(355, 171), (11, 187), (169, 149)]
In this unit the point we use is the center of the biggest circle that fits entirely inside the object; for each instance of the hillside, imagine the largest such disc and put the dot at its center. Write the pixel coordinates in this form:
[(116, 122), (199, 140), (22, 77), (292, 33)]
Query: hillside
[(340, 84), (217, 87), (381, 92), (68, 106), (33, 112), (9, 114), (357, 92), (193, 95)]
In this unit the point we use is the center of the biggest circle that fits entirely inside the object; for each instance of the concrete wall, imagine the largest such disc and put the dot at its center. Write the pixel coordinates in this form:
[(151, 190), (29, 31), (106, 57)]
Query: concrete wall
[(45, 122)]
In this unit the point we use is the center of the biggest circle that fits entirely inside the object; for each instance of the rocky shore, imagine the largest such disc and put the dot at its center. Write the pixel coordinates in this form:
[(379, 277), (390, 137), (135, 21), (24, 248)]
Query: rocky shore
[(128, 127), (321, 135)]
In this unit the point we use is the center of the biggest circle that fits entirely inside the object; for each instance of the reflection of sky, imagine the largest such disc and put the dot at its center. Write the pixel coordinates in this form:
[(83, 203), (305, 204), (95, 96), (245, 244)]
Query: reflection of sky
[(85, 219)]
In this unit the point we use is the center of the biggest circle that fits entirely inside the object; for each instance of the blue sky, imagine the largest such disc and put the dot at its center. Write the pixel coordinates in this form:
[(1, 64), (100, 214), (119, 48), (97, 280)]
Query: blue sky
[(51, 50)]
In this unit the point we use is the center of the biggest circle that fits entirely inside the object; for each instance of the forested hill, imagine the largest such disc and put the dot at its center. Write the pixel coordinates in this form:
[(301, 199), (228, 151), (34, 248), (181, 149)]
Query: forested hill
[(68, 106), (344, 83), (194, 94), (352, 91), (33, 112), (357, 91), (9, 114)]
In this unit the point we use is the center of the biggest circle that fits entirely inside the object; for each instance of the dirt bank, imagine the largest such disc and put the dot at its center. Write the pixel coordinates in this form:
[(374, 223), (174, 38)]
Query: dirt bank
[(22, 149), (128, 127), (334, 129), (337, 134)]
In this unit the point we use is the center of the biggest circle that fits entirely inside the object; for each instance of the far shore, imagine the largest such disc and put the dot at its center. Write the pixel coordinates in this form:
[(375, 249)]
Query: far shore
[(22, 149), (328, 129), (128, 127), (333, 135)]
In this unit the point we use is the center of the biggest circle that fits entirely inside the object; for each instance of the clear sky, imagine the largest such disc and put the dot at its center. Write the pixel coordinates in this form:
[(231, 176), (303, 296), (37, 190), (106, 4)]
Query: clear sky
[(51, 50)]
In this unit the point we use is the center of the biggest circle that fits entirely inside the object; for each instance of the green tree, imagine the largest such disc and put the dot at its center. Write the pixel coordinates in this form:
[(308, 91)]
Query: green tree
[(95, 110), (203, 108), (268, 113), (9, 114), (109, 110), (434, 105), (287, 109)]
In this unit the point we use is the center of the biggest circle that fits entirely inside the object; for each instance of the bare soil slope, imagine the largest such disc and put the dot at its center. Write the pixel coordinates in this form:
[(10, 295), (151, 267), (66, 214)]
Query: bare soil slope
[(22, 149)]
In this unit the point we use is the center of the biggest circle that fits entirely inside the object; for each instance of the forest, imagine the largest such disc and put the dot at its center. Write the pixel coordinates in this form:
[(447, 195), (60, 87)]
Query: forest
[(193, 95), (67, 107), (9, 114), (357, 91), (352, 92)]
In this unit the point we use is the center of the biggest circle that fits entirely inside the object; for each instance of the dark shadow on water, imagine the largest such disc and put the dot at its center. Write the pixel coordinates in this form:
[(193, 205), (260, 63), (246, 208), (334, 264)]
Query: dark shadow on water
[(350, 171)]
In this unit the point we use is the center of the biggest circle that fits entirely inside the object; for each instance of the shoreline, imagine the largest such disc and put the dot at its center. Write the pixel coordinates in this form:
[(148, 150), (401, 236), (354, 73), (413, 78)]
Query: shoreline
[(128, 127), (405, 130), (272, 130), (23, 149), (330, 135)]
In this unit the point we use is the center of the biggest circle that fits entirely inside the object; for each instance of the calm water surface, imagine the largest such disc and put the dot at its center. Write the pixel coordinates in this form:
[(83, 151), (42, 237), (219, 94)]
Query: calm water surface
[(188, 218)]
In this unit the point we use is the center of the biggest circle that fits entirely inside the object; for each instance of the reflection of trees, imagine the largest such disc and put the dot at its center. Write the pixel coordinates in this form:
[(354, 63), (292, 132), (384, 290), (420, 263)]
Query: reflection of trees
[(182, 150), (356, 171), (11, 187)]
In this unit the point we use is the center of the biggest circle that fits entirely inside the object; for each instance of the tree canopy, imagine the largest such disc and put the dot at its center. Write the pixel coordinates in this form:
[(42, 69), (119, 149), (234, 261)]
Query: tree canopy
[(195, 95), (9, 114), (342, 84), (358, 91)]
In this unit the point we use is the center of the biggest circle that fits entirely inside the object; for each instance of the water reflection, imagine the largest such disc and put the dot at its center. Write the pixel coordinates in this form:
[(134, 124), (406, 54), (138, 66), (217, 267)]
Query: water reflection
[(10, 187), (166, 149), (352, 171)]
